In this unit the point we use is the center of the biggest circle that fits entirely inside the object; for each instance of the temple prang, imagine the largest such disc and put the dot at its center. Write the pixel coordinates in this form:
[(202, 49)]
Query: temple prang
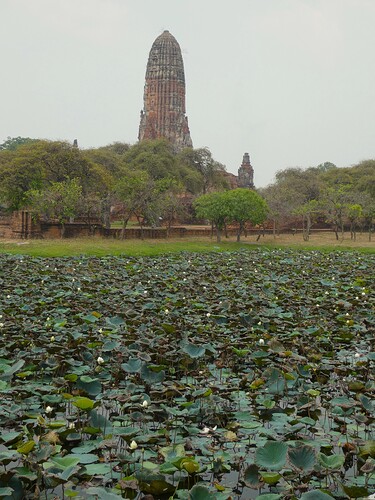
[(245, 177), (163, 114)]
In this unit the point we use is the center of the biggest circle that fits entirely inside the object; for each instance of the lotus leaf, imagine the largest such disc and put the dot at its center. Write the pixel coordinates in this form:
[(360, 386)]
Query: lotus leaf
[(252, 477), (272, 456), (331, 462), (199, 492), (302, 457), (316, 495)]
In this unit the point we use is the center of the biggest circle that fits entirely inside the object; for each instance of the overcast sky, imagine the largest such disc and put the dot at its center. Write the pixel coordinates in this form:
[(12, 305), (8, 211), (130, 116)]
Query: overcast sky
[(292, 82)]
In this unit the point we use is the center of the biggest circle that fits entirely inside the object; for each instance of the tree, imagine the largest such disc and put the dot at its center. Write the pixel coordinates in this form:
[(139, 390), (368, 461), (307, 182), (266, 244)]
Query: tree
[(245, 205), (210, 170), (213, 207), (335, 201), (308, 210), (355, 212), (281, 203), (167, 203), (134, 191), (12, 143), (36, 165), (58, 201)]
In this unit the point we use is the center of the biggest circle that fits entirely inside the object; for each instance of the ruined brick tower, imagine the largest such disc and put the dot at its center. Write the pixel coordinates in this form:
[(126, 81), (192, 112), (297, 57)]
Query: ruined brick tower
[(246, 173), (163, 114)]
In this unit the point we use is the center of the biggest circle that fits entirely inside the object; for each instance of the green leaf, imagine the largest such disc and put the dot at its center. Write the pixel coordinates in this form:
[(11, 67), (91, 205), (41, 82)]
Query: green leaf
[(133, 365), (200, 493), (355, 491), (151, 376), (268, 496), (102, 493), (7, 491), (272, 456), (83, 403), (97, 469), (270, 477), (7, 375), (25, 448), (331, 462), (302, 457), (194, 351), (91, 386), (316, 495), (367, 449), (251, 476)]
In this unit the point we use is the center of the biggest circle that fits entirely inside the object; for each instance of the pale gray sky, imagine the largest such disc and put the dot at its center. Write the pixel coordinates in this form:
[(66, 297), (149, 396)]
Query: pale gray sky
[(292, 82)]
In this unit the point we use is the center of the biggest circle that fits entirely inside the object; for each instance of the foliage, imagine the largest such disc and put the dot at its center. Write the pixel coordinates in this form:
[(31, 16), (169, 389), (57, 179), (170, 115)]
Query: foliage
[(59, 201), (13, 143), (246, 205), (36, 165), (210, 170), (193, 374), (214, 207), (237, 205)]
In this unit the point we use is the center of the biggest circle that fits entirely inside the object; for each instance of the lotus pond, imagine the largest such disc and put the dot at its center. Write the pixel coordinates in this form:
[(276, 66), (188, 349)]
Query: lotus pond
[(240, 375)]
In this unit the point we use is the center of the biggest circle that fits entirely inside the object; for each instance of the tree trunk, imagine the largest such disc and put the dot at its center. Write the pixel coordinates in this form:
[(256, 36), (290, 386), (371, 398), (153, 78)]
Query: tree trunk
[(124, 224), (218, 234), (239, 232), (62, 231)]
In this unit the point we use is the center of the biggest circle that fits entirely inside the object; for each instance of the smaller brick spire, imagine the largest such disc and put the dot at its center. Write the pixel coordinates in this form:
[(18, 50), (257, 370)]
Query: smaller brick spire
[(246, 173)]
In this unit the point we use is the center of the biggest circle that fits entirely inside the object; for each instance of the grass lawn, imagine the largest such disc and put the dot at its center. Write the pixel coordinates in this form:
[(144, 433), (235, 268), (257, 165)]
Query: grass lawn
[(100, 246)]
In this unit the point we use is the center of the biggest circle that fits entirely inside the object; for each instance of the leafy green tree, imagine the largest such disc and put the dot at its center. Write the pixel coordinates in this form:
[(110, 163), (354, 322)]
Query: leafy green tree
[(245, 205), (12, 143), (156, 157), (335, 201), (210, 170), (355, 212), (213, 207), (168, 203), (281, 203), (308, 211), (60, 200), (134, 191), (36, 165)]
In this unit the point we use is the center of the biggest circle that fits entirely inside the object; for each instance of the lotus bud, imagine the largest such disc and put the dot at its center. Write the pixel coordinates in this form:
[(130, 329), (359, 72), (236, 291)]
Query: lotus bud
[(133, 445)]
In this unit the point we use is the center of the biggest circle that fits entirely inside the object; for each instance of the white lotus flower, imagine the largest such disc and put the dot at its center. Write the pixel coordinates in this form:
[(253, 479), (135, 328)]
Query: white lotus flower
[(49, 409), (357, 355), (145, 404), (208, 430), (1, 325), (208, 315), (52, 339), (100, 360), (261, 342), (133, 445)]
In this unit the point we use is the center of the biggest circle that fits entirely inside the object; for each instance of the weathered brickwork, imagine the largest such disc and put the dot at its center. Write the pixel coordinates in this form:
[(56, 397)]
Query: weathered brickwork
[(164, 110), (246, 173)]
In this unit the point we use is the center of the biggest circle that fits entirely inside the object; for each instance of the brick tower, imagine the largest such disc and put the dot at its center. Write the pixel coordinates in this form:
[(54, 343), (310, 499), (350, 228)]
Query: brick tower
[(246, 173), (163, 114)]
